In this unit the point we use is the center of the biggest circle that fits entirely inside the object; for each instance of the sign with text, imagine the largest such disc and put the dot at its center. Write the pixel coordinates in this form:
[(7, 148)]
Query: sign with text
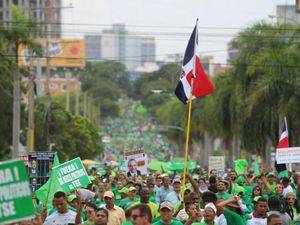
[(15, 195), (288, 155), (71, 175), (216, 162)]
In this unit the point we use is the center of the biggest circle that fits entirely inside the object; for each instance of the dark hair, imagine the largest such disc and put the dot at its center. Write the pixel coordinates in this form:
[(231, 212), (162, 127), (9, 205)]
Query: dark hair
[(60, 194), (269, 219), (212, 180), (92, 205), (128, 212), (209, 196), (275, 204), (261, 199), (188, 205), (254, 189), (103, 210), (144, 210)]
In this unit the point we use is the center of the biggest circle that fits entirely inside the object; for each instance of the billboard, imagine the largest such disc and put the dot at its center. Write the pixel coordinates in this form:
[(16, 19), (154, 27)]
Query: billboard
[(62, 53)]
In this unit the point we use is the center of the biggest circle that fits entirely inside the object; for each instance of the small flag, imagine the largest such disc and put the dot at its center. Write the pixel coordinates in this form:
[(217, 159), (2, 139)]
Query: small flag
[(192, 68), (283, 143)]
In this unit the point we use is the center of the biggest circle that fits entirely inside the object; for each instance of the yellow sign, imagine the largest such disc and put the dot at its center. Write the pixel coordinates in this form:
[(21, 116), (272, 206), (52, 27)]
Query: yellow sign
[(62, 53)]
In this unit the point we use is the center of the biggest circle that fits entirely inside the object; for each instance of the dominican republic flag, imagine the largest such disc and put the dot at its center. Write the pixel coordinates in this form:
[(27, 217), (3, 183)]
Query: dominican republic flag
[(283, 143), (284, 137), (191, 68)]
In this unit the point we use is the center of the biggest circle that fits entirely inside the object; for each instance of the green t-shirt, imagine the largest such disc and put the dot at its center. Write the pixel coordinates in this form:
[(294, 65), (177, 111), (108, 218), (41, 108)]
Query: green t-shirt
[(202, 223), (233, 218), (126, 203), (127, 223), (88, 223), (174, 222), (223, 195)]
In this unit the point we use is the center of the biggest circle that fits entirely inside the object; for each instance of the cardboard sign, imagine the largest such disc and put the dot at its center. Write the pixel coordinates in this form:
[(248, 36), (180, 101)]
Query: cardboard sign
[(71, 175), (15, 195), (136, 163), (288, 155), (216, 162)]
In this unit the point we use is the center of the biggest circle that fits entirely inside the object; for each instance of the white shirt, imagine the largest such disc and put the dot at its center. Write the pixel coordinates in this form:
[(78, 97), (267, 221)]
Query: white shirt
[(257, 221), (61, 219), (286, 190), (182, 215), (221, 220)]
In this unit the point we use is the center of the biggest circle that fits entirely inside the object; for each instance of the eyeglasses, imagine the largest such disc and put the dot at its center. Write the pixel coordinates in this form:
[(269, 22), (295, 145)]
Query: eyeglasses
[(134, 217)]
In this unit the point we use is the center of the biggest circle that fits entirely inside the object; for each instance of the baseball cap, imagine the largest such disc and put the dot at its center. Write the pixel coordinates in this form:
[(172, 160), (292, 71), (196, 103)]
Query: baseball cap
[(108, 194), (167, 205), (177, 180), (71, 198), (131, 189), (124, 190)]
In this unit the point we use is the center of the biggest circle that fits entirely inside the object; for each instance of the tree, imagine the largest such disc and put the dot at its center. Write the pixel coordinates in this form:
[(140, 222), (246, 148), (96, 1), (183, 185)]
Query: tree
[(72, 136)]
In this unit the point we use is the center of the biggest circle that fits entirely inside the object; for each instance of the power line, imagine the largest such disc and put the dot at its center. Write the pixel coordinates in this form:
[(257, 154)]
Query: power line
[(150, 26), (126, 59)]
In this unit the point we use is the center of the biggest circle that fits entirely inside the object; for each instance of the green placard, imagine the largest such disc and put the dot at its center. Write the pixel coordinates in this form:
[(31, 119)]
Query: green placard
[(15, 195), (71, 175)]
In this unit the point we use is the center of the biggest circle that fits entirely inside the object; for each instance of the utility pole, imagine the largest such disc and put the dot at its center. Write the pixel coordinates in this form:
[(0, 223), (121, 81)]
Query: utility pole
[(68, 75), (48, 71), (30, 135), (78, 88), (16, 107)]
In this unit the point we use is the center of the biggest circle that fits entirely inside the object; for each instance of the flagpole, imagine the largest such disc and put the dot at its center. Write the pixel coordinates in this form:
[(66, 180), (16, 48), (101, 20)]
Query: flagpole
[(188, 125), (290, 168)]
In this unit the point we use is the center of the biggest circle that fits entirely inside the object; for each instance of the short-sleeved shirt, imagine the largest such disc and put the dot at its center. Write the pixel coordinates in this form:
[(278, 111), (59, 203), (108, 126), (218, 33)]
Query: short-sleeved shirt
[(257, 221), (174, 222), (116, 216), (61, 219)]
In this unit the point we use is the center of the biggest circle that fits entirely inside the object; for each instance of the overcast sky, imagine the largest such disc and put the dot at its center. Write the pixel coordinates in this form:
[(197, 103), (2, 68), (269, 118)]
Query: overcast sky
[(171, 21)]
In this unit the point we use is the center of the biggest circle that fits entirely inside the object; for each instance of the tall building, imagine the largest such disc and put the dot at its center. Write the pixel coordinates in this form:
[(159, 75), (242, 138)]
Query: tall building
[(119, 44), (36, 10), (287, 14)]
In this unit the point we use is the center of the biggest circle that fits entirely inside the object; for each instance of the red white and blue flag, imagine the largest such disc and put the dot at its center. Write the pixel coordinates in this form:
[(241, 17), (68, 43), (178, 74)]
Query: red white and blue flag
[(284, 137), (192, 70), (282, 143)]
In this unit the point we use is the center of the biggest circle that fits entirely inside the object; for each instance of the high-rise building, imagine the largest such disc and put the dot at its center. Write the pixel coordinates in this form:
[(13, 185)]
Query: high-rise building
[(36, 10), (287, 14), (118, 44)]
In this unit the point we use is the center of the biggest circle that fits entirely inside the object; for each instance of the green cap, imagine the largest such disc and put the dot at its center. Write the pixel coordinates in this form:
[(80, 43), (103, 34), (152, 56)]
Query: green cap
[(131, 189), (256, 198), (124, 190), (71, 198)]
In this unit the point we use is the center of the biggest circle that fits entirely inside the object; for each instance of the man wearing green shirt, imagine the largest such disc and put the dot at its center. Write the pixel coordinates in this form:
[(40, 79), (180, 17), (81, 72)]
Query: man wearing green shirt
[(222, 193), (127, 202), (166, 213)]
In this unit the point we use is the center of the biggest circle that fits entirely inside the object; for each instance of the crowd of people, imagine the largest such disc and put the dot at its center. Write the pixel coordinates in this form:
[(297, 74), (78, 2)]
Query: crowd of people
[(163, 199)]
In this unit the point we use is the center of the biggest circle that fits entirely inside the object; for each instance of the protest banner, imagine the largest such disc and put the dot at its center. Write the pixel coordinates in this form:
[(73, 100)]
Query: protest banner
[(136, 162), (71, 175), (15, 195), (288, 155), (217, 163)]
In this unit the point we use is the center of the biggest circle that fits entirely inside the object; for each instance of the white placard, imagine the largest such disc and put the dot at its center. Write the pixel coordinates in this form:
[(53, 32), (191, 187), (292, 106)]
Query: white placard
[(216, 162), (137, 161), (288, 155)]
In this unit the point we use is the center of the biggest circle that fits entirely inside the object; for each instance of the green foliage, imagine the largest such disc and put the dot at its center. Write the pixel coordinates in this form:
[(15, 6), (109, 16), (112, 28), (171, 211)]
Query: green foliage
[(106, 82), (163, 80), (71, 135)]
